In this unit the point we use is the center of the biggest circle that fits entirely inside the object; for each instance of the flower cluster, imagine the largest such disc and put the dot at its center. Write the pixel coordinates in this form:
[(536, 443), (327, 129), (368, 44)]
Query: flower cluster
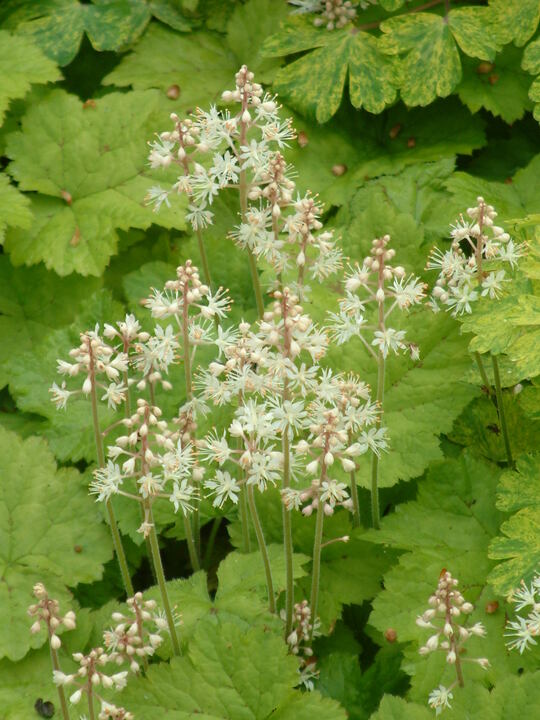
[(155, 458), (47, 611), (218, 139), (334, 13), (449, 635), (299, 642), (94, 358), (131, 640), (245, 148), (523, 631), (135, 637), (379, 283), (471, 268)]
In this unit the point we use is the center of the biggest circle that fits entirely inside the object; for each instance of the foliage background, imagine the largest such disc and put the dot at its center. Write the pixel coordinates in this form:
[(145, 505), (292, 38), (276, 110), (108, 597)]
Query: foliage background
[(404, 118)]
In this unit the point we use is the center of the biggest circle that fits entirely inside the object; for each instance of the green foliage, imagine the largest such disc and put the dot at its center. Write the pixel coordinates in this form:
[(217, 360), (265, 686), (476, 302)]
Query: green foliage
[(226, 674), (518, 545), (77, 213), (21, 64), (46, 517), (404, 116)]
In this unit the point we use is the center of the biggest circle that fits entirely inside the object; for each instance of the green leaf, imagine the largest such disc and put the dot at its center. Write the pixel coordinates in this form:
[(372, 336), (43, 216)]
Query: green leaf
[(14, 207), (475, 31), (503, 90), (227, 674), (79, 210), (519, 544), (21, 64), (450, 525), (479, 428), (315, 83), (248, 27), (70, 432), (57, 26), (32, 303), (396, 708), (531, 63), (430, 67), (200, 64), (516, 20), (45, 513)]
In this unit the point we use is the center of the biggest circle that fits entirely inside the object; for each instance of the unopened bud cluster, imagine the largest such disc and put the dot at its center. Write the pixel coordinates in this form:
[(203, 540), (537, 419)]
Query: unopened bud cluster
[(334, 14), (300, 640), (94, 358), (471, 268), (380, 283), (47, 611), (156, 458), (447, 619), (135, 637)]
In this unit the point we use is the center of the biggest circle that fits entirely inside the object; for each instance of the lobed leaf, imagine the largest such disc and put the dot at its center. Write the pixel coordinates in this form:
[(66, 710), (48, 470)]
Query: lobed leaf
[(50, 532)]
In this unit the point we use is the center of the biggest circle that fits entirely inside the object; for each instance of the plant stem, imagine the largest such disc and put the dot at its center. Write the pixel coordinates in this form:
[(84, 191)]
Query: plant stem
[(90, 694), (192, 550), (244, 520), (211, 541), (262, 547), (483, 373), (375, 510), (117, 539), (354, 496), (158, 567), (204, 259), (243, 190), (61, 695), (500, 410), (316, 564), (189, 396), (287, 539)]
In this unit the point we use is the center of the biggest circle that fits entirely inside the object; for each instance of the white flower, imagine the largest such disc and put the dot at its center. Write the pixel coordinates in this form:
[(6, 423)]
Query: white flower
[(157, 196), (60, 395), (521, 633), (333, 492), (199, 217), (224, 487), (389, 339), (492, 284), (106, 481), (181, 496), (225, 169), (461, 299), (149, 485), (439, 699), (374, 439), (115, 394)]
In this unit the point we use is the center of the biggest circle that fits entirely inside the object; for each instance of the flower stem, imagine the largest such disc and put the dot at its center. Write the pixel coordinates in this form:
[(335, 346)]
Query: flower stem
[(204, 259), (262, 547), (90, 694), (158, 567), (192, 550), (287, 539), (61, 695), (500, 410), (117, 539), (316, 564), (244, 520), (354, 496), (483, 373), (243, 189), (189, 396), (211, 541), (375, 510)]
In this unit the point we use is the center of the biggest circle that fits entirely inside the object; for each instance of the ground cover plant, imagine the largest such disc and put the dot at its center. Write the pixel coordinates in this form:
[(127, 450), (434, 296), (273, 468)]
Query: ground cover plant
[(269, 359)]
